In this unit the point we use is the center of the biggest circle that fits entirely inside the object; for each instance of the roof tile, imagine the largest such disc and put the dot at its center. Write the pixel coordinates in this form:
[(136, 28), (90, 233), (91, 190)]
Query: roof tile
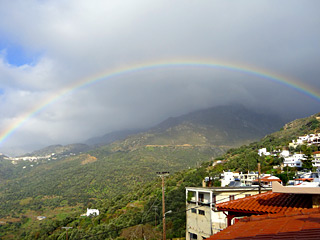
[(268, 202), (298, 225)]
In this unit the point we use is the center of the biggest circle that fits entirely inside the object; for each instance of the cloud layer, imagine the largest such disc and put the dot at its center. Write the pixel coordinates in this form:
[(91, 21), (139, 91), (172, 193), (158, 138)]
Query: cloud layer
[(63, 42)]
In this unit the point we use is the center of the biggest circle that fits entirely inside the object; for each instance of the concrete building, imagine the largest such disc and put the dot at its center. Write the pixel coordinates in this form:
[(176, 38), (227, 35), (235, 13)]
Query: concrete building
[(316, 159), (294, 161), (263, 152), (283, 213), (246, 179), (202, 218), (227, 177), (311, 139)]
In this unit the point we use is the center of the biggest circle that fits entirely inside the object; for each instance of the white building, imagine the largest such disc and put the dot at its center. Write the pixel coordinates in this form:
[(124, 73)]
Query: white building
[(294, 161), (316, 159), (243, 179), (263, 152), (92, 212), (314, 139), (247, 178), (284, 153), (311, 139), (227, 177), (202, 219)]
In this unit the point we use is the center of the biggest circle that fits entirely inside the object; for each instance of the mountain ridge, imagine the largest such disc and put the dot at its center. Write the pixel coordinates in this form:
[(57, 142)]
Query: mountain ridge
[(205, 127)]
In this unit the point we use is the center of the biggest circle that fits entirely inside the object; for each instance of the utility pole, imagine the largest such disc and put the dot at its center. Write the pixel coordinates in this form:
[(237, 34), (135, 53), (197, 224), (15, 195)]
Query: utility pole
[(66, 228), (259, 180), (163, 175)]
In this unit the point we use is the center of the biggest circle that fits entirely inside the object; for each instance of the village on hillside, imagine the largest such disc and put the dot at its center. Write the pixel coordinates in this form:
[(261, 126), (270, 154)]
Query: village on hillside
[(256, 205)]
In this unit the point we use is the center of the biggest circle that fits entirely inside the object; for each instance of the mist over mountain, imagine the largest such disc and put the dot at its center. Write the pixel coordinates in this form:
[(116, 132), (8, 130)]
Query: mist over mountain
[(111, 137), (74, 148), (222, 126)]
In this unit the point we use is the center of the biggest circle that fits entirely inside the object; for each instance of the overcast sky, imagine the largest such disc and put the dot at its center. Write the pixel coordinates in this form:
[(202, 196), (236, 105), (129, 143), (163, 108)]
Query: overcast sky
[(46, 46)]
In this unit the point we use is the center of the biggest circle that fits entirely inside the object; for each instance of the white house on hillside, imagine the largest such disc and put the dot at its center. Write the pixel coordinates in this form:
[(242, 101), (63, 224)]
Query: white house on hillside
[(92, 212), (311, 139), (227, 177), (285, 153), (263, 152), (295, 160), (316, 157)]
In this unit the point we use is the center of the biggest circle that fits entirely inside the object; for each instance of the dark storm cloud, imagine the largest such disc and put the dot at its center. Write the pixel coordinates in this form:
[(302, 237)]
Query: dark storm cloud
[(78, 39)]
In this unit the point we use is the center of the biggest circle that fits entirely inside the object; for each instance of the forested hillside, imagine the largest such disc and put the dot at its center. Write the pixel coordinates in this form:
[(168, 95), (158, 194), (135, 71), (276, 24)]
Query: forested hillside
[(136, 214), (120, 178)]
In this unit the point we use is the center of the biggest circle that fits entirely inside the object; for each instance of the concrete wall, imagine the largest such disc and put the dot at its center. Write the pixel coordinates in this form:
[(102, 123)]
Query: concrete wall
[(212, 221)]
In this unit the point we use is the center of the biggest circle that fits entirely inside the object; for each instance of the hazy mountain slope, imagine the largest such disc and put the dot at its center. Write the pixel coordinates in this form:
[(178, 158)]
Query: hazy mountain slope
[(60, 149), (224, 126), (111, 137)]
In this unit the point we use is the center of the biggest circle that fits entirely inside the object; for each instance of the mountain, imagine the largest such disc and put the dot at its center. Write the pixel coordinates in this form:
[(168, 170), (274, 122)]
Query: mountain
[(101, 175), (130, 214), (111, 137), (221, 127)]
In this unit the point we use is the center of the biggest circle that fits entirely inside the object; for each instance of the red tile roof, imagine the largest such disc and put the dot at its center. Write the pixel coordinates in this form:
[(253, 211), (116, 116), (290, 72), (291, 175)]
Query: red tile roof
[(268, 202), (301, 224), (268, 179)]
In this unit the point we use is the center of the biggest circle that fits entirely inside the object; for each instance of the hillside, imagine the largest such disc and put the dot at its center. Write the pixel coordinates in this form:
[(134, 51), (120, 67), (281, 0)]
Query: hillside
[(221, 127), (98, 176), (137, 213), (111, 137), (60, 149)]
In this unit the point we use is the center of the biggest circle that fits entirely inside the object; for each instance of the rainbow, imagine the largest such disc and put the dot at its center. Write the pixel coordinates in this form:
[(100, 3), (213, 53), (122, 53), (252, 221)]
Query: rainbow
[(250, 70)]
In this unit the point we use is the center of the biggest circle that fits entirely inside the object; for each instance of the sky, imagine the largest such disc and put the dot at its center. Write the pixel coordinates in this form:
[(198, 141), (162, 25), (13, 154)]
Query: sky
[(50, 49)]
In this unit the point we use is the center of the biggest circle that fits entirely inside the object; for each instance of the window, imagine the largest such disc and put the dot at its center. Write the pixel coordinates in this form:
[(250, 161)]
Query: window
[(231, 197), (201, 212), (214, 199), (201, 197), (193, 210), (193, 236)]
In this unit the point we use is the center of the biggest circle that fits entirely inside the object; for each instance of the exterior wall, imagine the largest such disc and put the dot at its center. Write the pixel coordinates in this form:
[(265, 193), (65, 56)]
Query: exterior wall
[(294, 161), (312, 139), (263, 151), (246, 179), (316, 161), (212, 221), (285, 153), (199, 216), (227, 177), (198, 224)]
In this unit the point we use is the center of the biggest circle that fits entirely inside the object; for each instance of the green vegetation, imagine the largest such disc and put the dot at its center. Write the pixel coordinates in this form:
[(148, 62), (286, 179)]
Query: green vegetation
[(120, 180), (139, 206)]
